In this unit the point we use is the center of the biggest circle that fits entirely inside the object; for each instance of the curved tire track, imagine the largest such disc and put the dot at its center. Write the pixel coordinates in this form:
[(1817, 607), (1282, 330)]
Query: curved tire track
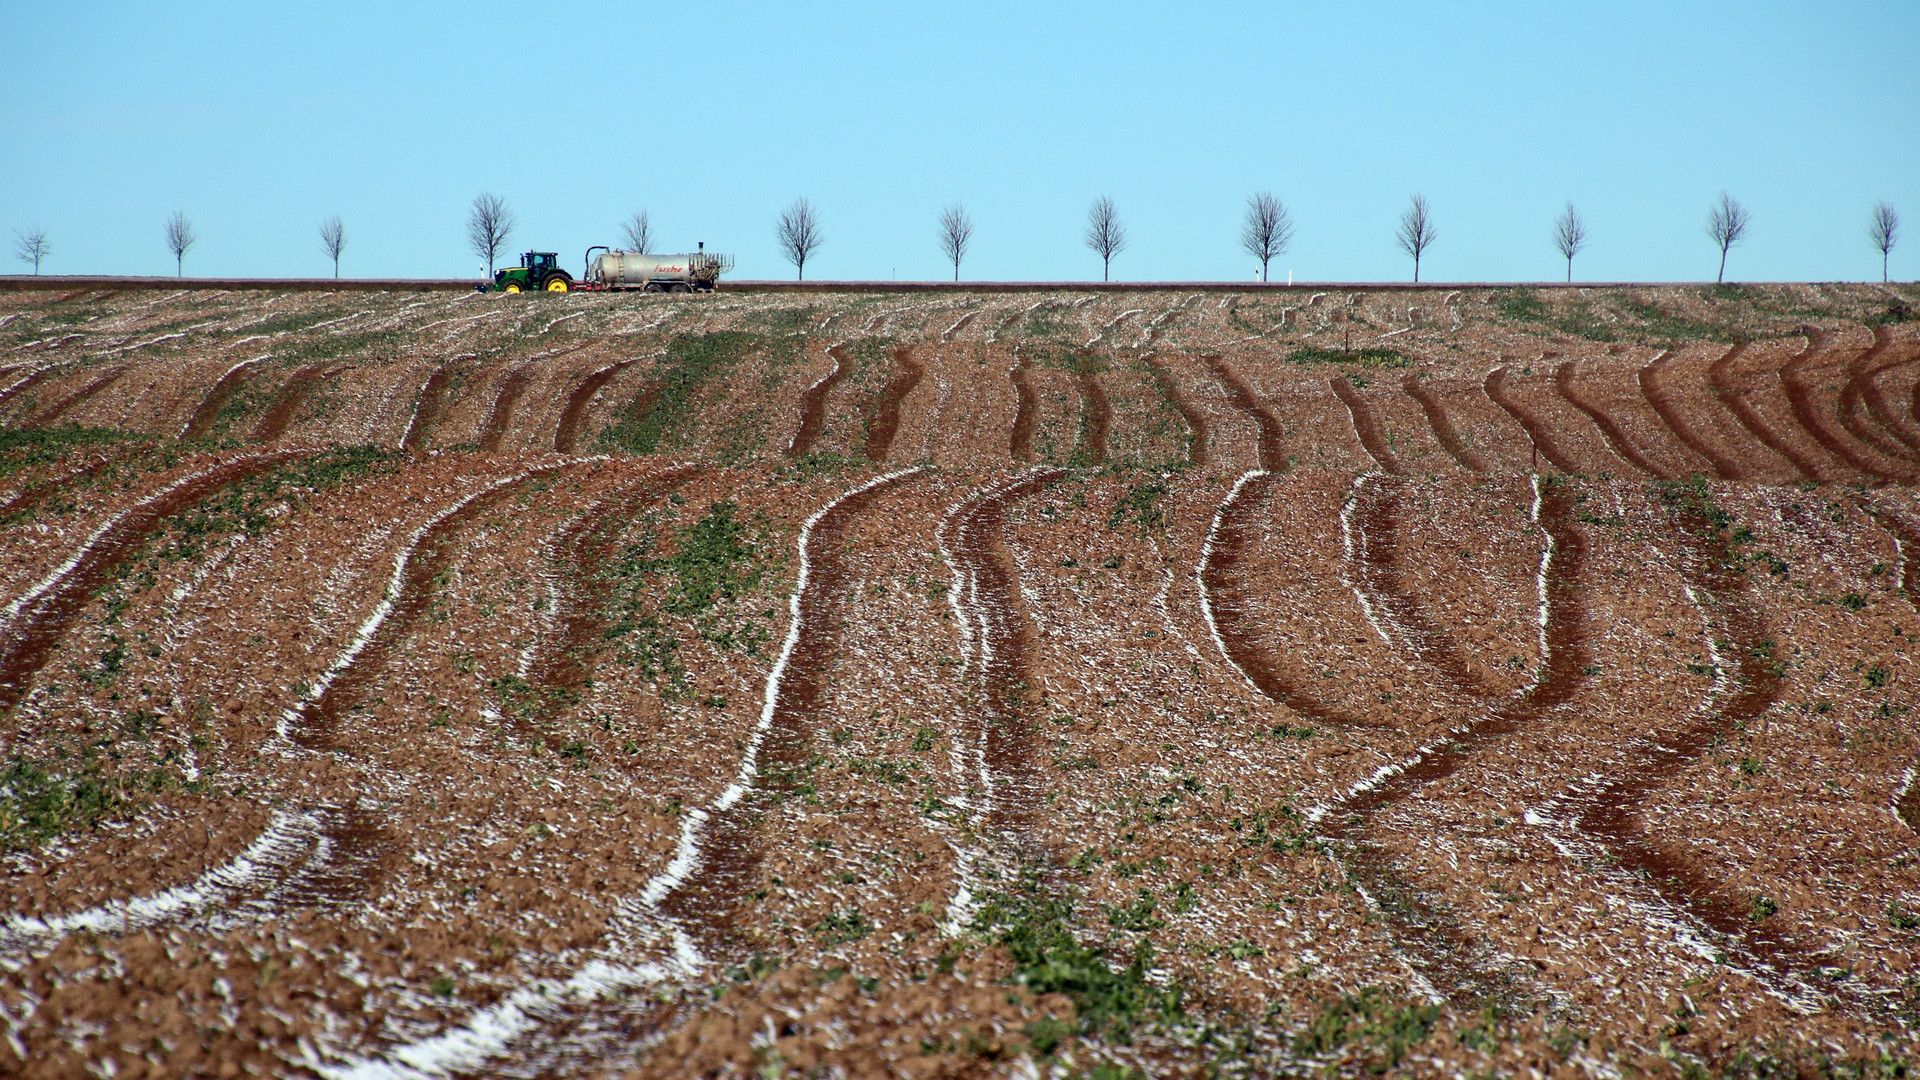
[(1723, 467), (1875, 399), (1195, 421), (1443, 430), (33, 624), (1027, 415), (299, 387), (1366, 427), (1096, 412), (813, 403), (1807, 413), (1750, 418), (1615, 436), (566, 432), (1269, 438), (511, 384), (1542, 439), (886, 414), (48, 417), (427, 408), (1861, 390), (200, 424)]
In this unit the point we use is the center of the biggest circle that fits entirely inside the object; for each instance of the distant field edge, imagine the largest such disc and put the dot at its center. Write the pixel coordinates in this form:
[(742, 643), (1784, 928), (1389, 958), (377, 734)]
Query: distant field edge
[(50, 282)]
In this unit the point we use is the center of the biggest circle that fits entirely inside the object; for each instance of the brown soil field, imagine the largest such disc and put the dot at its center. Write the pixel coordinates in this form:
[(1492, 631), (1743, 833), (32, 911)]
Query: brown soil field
[(1511, 682)]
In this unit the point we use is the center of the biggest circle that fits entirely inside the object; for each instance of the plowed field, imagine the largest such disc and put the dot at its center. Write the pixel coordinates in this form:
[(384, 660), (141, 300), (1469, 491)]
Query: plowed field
[(1492, 682)]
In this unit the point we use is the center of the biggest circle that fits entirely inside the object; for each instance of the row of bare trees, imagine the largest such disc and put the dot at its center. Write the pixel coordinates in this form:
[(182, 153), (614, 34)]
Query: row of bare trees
[(1265, 232)]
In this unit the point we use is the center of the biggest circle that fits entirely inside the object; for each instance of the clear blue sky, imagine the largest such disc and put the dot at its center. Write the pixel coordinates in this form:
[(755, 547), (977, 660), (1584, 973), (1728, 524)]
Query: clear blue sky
[(260, 119)]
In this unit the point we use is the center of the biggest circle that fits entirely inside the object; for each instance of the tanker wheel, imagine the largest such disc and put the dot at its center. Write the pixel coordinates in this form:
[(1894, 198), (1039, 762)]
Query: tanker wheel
[(511, 286), (557, 284), (681, 286)]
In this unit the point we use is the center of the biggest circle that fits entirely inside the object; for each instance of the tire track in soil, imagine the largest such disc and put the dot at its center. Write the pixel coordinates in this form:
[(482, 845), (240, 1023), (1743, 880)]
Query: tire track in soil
[(1440, 949), (49, 416), (1723, 467), (1807, 413), (1537, 433), (1195, 421), (1616, 437), (1096, 412), (1442, 425), (299, 387), (427, 408), (564, 663), (711, 897), (1365, 425), (886, 410), (25, 383), (813, 403), (34, 623), (946, 335), (354, 846), (696, 882), (997, 646), (200, 424), (1863, 391), (1905, 803), (1378, 522), (566, 433), (512, 384), (1027, 415), (1269, 438), (1611, 814), (1749, 418)]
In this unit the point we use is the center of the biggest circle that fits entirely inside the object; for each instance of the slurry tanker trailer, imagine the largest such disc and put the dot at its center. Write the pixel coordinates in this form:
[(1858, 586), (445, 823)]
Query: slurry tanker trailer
[(615, 271)]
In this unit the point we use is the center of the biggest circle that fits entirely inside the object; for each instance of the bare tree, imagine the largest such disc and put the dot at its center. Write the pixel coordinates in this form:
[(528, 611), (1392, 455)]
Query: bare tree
[(956, 232), (488, 227), (1105, 235), (32, 246), (1727, 225), (1569, 235), (639, 231), (333, 240), (1267, 230), (799, 235), (1883, 229), (180, 240), (1416, 233)]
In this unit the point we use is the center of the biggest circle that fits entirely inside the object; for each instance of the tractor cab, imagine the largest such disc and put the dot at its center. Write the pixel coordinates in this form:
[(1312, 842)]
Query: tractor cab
[(539, 271)]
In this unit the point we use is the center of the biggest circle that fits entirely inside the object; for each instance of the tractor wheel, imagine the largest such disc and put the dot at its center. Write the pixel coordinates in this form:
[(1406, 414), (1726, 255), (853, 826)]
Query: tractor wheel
[(556, 283), (511, 287), (681, 286)]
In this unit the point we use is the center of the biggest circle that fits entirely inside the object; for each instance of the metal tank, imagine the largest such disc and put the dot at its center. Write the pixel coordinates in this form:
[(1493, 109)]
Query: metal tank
[(615, 269)]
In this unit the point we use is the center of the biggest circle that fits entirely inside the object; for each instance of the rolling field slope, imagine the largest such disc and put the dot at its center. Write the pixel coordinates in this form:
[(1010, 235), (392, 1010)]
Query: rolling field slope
[(1492, 682)]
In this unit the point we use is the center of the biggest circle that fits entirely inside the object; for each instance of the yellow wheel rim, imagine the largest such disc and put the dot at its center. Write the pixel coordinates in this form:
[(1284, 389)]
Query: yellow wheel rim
[(512, 286), (557, 285)]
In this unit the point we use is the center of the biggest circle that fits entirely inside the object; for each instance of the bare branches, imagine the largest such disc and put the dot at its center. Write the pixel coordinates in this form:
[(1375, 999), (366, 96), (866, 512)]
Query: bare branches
[(799, 235), (31, 246), (1883, 229), (1416, 233), (1267, 230), (1569, 236), (180, 239), (333, 240), (1105, 235), (1727, 225), (638, 230), (488, 226), (956, 232)]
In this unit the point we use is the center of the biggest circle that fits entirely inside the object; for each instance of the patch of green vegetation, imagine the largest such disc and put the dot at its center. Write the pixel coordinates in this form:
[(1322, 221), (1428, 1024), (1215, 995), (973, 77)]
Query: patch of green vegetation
[(1382, 1030), (658, 412), (842, 927), (1141, 505), (1365, 357), (1111, 999), (40, 799), (24, 448), (251, 504)]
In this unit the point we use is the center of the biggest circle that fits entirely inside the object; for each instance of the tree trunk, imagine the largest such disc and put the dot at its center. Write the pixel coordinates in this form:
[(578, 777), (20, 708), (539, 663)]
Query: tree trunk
[(1416, 269), (1720, 278), (1569, 269)]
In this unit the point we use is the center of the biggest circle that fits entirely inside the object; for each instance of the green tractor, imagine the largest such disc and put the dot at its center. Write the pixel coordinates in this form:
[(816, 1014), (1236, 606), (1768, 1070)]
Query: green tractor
[(539, 271)]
